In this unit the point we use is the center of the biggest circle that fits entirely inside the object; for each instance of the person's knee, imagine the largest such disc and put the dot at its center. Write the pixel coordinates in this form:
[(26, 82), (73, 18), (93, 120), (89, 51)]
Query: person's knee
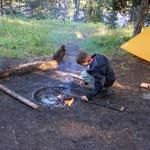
[(83, 74), (87, 78)]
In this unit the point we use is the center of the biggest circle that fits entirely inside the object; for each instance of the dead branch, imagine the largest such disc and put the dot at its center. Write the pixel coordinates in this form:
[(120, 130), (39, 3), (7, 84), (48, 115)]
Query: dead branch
[(18, 97)]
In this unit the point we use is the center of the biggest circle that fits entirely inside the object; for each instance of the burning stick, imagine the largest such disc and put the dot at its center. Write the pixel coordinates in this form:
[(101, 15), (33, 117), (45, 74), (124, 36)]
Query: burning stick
[(110, 106), (70, 100), (107, 105)]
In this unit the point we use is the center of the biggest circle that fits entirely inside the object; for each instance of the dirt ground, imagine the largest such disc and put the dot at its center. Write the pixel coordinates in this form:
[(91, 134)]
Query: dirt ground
[(82, 126)]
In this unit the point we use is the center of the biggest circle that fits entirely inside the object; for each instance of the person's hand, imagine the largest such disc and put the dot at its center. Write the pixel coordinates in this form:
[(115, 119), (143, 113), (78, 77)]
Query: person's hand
[(84, 98)]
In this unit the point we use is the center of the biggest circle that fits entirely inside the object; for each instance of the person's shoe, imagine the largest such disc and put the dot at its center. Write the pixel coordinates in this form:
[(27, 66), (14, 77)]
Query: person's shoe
[(109, 92), (106, 92)]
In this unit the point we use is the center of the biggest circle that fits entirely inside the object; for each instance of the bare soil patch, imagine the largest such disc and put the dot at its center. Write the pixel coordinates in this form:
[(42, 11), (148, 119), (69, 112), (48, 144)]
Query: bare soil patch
[(82, 126)]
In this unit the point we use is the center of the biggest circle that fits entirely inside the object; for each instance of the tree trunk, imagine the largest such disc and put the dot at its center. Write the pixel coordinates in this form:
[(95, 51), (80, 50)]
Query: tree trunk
[(10, 7), (1, 7), (134, 13), (90, 12), (77, 8), (141, 16), (65, 10)]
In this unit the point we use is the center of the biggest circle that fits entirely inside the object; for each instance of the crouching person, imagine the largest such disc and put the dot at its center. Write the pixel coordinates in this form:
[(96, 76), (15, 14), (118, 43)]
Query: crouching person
[(100, 75)]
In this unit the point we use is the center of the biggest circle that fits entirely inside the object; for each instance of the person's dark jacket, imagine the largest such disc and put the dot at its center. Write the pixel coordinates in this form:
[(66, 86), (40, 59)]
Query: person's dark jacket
[(102, 72)]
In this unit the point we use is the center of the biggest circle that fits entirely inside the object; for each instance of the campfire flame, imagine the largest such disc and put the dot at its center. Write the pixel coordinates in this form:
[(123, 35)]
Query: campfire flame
[(69, 102)]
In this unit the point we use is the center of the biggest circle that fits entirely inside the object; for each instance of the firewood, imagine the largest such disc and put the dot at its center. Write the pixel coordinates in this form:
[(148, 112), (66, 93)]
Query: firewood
[(36, 66), (18, 97), (145, 85)]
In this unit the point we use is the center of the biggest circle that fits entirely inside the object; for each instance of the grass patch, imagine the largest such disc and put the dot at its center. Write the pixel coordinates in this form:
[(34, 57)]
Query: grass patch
[(26, 38), (107, 42)]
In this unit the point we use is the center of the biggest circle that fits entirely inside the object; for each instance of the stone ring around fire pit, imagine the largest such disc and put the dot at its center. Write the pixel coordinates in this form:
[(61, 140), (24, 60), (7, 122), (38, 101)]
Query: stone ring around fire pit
[(55, 96)]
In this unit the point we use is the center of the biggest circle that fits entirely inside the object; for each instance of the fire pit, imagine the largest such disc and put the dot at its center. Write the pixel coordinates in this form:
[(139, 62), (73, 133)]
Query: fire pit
[(58, 96)]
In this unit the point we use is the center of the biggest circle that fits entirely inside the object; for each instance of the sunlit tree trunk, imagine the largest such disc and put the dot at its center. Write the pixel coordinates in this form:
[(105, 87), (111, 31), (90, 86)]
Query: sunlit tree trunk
[(10, 7), (77, 9), (141, 16), (1, 7), (89, 16), (65, 10)]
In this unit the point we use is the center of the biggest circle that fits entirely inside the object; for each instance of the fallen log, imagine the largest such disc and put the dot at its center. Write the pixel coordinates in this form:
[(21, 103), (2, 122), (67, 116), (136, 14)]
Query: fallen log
[(18, 97), (37, 65)]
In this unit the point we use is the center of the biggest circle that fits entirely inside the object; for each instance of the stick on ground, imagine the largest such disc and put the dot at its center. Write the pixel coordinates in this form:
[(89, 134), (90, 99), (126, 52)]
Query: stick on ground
[(18, 97)]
